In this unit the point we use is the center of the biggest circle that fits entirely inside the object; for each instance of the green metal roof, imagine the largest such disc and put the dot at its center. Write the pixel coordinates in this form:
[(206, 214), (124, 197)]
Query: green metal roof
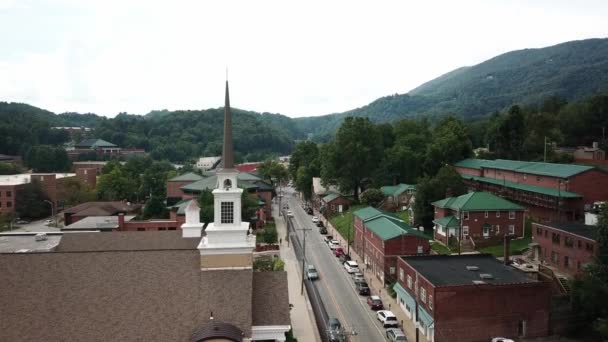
[(244, 181), (332, 196), (186, 177), (247, 177), (525, 187), (534, 168), (367, 213), (477, 201), (396, 190), (448, 222), (387, 228), (181, 206), (94, 143)]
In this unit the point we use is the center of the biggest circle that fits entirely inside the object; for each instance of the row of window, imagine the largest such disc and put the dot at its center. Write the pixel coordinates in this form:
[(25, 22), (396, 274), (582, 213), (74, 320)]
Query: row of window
[(161, 228), (7, 193), (566, 259), (7, 204), (487, 214), (421, 290), (568, 240)]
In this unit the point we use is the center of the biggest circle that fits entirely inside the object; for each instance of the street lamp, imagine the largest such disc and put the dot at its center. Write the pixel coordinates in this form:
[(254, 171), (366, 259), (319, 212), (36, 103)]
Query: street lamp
[(52, 210)]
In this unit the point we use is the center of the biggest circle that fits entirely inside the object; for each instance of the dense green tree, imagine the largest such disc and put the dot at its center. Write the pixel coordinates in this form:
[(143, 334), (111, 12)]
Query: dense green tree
[(273, 171), (590, 291), (431, 189), (205, 202), (372, 197), (10, 169), (306, 153), (74, 192), (304, 182), (116, 186), (30, 202), (156, 208), (449, 143), (46, 158), (353, 156)]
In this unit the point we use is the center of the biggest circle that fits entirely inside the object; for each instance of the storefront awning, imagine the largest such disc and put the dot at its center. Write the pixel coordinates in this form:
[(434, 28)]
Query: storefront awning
[(403, 294)]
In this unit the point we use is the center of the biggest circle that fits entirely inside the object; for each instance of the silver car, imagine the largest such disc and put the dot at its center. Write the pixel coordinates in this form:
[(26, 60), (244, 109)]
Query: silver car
[(311, 273), (395, 334)]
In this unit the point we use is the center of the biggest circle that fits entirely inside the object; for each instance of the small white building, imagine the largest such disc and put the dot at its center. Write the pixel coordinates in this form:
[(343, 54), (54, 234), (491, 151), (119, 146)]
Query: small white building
[(207, 163)]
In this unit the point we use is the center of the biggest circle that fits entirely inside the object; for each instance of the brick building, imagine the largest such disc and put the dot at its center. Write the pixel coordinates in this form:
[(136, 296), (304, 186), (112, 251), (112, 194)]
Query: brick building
[(174, 191), (398, 197), (100, 208), (381, 238), (471, 298), (334, 203), (566, 246), (550, 192), (482, 216), (51, 184)]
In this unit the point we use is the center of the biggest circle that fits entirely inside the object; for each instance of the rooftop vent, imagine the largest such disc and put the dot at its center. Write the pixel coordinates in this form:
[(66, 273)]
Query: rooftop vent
[(486, 276), (479, 282), (41, 237), (472, 268)]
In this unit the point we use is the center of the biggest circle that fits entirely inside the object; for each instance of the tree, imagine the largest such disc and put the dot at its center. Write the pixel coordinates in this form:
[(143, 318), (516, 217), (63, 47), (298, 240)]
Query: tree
[(590, 291), (10, 169), (306, 153), (353, 156), (45, 158), (372, 197), (205, 202), (155, 208), (303, 182), (30, 201), (273, 171), (116, 186), (449, 144), (431, 189), (74, 192)]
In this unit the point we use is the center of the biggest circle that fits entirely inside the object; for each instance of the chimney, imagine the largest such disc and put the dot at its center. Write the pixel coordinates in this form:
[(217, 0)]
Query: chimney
[(121, 221), (506, 254), (449, 192), (192, 227)]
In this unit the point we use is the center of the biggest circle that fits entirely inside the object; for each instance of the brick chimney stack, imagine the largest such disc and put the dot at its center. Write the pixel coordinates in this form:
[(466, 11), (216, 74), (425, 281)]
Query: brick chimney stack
[(121, 221)]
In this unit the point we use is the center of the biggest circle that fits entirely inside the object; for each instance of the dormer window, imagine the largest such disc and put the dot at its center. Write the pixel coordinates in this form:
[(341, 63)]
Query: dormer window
[(227, 184)]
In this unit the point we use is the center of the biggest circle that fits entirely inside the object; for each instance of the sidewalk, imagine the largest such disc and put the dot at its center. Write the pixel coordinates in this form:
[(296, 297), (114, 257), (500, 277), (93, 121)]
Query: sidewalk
[(302, 317), (376, 287)]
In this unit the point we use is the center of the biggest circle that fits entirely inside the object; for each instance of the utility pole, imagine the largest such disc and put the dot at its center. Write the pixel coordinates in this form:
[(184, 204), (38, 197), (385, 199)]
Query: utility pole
[(303, 257)]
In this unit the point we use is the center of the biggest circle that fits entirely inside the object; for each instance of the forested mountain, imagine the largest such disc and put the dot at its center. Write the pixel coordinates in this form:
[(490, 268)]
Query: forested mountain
[(570, 70)]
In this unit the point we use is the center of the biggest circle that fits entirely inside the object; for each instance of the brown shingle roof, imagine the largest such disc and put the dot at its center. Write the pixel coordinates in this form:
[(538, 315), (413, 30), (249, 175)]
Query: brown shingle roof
[(103, 208), (270, 301), (147, 295), (126, 241)]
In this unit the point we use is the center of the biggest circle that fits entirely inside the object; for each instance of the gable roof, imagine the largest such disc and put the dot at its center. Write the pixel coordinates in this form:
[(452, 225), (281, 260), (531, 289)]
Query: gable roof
[(535, 168), (186, 177), (451, 270), (331, 196), (586, 231), (180, 206), (396, 190), (244, 181), (94, 143), (102, 208), (367, 213), (448, 222), (270, 287), (387, 227), (477, 201)]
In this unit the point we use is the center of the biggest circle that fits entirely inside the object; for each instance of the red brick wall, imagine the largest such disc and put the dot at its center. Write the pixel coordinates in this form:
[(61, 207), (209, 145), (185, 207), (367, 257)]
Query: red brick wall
[(401, 245), (334, 206), (267, 196), (48, 182), (441, 212), (87, 176), (5, 199), (477, 220), (173, 189), (83, 165), (467, 171), (358, 238), (593, 185), (578, 254)]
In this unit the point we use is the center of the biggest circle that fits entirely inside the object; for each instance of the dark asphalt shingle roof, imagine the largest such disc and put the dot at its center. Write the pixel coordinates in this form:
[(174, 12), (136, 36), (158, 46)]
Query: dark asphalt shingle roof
[(451, 270), (589, 232), (126, 241), (270, 301)]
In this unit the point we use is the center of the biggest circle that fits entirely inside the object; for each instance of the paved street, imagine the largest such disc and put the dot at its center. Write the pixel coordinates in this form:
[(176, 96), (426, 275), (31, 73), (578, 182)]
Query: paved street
[(335, 286)]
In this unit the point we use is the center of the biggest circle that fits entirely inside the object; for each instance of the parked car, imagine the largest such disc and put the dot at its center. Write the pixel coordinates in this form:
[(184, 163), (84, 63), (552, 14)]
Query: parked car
[(333, 244), (344, 258), (502, 339), (323, 230), (335, 333), (311, 272), (23, 222), (358, 276), (289, 213), (320, 224), (315, 219), (338, 251), (362, 288), (47, 222), (328, 238), (309, 211), (387, 318), (375, 303), (351, 266), (395, 334)]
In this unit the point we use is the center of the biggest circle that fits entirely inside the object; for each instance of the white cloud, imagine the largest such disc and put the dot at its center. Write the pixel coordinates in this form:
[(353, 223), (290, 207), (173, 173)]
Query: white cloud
[(304, 58)]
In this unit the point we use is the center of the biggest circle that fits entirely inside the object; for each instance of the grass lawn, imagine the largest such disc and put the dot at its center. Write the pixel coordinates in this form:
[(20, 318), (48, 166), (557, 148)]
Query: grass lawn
[(404, 215), (440, 249), (344, 223)]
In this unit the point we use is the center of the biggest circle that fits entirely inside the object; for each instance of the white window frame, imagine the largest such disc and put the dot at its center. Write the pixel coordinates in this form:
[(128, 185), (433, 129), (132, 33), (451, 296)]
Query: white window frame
[(511, 229), (401, 274), (409, 281), (486, 231), (431, 302), (486, 214), (466, 215), (465, 231), (422, 294), (497, 213), (511, 215), (497, 228), (392, 270)]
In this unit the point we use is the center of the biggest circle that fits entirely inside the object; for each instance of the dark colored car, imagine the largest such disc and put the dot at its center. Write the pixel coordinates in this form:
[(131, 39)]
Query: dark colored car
[(323, 230), (375, 303), (320, 224), (309, 211), (344, 258), (338, 251), (335, 333), (362, 288)]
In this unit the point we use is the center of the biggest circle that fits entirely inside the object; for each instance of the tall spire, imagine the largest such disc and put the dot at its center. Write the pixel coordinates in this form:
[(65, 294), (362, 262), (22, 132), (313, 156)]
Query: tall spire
[(227, 153)]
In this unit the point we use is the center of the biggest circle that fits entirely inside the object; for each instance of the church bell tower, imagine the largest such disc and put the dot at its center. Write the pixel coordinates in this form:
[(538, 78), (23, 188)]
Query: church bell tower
[(227, 243)]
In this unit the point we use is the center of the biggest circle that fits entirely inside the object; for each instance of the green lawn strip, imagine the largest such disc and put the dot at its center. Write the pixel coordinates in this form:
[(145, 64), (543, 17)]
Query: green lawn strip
[(344, 223), (440, 249)]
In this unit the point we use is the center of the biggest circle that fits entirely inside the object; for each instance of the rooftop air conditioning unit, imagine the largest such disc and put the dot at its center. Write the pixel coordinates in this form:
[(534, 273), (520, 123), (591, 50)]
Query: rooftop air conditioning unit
[(472, 268), (41, 237), (486, 276)]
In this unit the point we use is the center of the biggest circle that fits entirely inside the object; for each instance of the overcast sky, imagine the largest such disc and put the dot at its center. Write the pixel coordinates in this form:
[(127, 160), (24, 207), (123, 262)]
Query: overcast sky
[(295, 58)]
